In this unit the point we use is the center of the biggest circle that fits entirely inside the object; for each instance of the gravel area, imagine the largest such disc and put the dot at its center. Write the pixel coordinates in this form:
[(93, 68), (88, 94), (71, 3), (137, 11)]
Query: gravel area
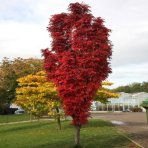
[(135, 124)]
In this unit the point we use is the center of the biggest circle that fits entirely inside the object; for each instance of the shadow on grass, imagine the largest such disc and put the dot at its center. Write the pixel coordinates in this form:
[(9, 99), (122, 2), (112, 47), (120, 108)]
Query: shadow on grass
[(27, 126), (95, 123), (98, 123), (95, 142)]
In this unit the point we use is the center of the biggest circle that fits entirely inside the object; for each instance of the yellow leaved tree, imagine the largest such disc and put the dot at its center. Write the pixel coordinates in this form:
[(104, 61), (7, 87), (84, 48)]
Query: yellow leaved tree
[(103, 94), (38, 96)]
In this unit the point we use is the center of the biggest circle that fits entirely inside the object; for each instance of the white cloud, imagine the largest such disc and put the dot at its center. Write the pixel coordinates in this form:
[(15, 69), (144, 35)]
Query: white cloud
[(22, 39), (123, 75), (130, 45)]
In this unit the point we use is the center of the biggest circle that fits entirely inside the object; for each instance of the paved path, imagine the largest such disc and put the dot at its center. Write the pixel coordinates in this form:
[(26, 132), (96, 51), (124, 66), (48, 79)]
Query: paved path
[(134, 123)]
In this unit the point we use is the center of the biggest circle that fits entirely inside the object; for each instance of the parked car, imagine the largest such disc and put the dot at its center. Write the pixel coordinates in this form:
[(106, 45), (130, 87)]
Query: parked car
[(19, 111), (127, 110)]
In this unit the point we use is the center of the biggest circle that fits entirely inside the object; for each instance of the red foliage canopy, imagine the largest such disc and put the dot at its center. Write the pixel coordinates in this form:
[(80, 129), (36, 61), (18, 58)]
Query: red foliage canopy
[(79, 58)]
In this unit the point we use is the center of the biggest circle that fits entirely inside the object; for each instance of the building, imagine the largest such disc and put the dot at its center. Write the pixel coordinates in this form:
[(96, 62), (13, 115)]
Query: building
[(125, 102)]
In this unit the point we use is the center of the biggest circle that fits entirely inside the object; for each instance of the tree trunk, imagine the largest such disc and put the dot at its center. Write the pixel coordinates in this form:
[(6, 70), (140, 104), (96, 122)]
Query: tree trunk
[(58, 118), (77, 135), (30, 116)]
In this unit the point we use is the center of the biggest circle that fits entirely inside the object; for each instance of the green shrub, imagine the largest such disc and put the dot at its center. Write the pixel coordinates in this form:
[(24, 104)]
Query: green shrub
[(136, 109)]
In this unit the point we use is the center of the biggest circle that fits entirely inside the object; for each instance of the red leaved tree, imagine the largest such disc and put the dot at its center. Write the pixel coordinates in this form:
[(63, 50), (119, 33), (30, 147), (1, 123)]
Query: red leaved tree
[(78, 60)]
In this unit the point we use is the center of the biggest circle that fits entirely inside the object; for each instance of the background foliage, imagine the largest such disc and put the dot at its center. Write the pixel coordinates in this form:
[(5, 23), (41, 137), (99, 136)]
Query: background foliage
[(10, 71)]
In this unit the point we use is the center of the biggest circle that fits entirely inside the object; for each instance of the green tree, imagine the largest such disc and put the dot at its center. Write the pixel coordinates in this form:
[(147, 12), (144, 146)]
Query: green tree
[(10, 71), (144, 87), (133, 88)]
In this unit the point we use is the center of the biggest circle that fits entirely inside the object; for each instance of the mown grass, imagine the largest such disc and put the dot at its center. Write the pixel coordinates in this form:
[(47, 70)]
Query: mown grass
[(14, 118), (44, 134)]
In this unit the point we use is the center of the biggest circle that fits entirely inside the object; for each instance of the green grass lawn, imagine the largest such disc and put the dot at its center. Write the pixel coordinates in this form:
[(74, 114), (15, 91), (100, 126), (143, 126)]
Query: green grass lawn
[(44, 134), (14, 118)]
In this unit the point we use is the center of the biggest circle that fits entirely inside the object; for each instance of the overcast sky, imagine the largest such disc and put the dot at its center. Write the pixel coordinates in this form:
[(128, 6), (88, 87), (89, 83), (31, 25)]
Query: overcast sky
[(23, 32)]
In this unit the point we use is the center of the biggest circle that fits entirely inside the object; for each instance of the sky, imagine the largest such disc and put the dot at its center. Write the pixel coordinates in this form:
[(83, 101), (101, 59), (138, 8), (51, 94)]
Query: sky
[(23, 32)]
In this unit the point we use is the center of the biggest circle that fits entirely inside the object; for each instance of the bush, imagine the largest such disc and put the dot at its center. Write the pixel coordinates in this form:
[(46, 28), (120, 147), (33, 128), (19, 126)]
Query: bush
[(136, 109)]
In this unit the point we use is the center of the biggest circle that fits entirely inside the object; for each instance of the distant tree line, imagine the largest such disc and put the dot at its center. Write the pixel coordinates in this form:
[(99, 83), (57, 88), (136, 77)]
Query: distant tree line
[(133, 88)]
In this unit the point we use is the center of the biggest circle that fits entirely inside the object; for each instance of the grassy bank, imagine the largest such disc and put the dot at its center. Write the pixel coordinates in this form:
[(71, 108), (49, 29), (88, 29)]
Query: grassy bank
[(44, 134)]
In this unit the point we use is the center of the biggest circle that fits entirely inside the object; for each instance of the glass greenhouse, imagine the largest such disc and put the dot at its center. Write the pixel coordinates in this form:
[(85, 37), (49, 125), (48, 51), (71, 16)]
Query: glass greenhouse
[(125, 102)]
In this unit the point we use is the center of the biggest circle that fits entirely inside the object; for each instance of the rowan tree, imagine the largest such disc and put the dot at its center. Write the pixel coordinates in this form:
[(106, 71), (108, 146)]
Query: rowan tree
[(38, 96), (78, 60)]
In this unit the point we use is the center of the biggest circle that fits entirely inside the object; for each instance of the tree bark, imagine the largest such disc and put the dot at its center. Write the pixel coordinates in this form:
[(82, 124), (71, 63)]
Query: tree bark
[(30, 116), (58, 118), (77, 135)]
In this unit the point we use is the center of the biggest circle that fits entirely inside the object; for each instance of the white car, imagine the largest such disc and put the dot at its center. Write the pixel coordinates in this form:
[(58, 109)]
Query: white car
[(19, 111)]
